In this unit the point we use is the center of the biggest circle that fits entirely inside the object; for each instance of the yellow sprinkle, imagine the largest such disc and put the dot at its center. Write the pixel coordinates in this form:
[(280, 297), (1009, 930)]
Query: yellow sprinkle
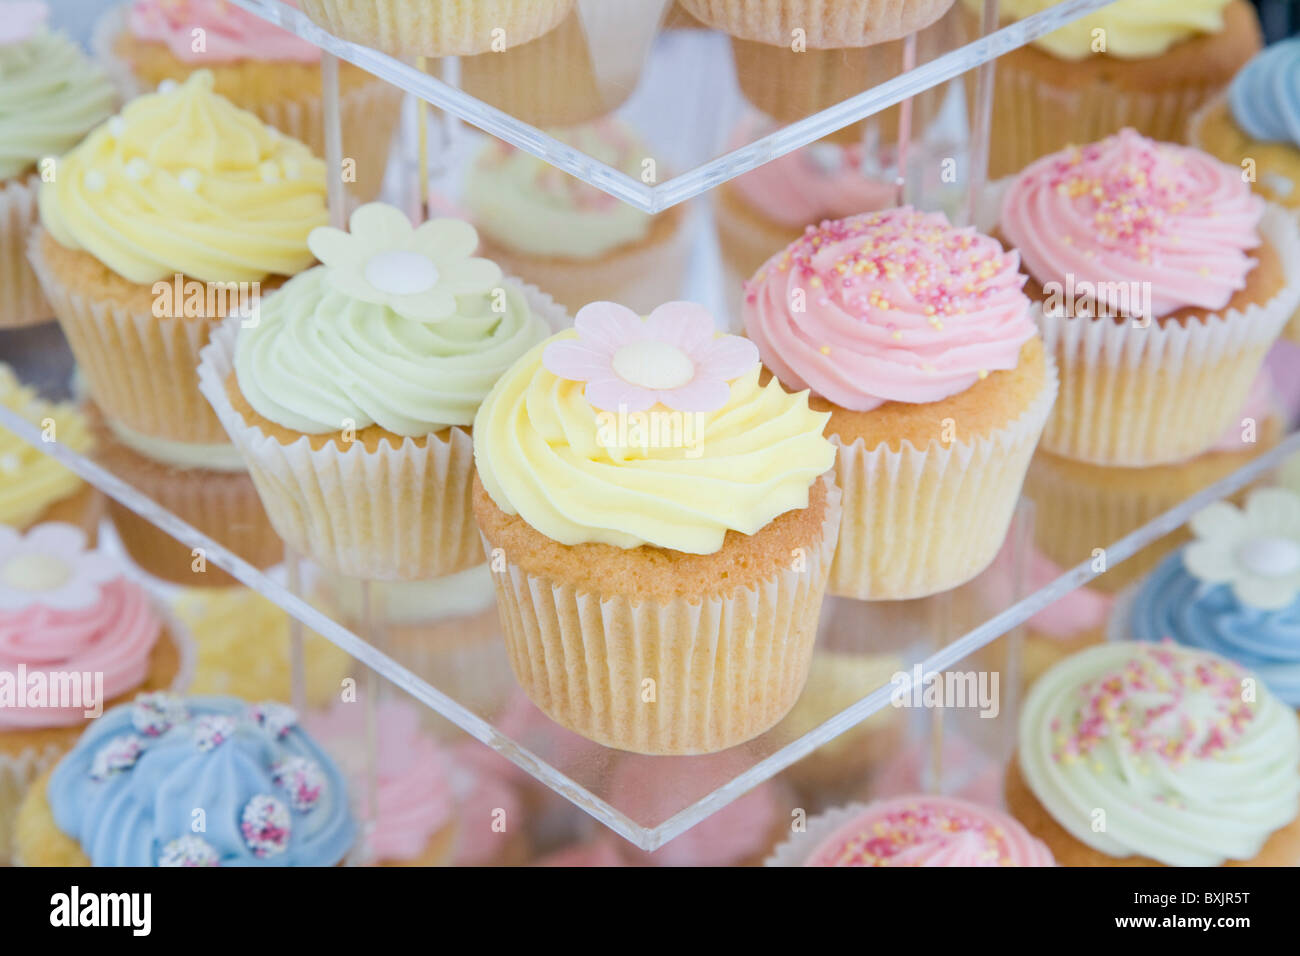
[(826, 350), (898, 335), (984, 373)]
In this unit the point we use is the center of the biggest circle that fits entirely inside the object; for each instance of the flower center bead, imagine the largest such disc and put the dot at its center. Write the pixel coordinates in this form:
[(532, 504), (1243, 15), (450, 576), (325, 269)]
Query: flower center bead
[(401, 273), (1270, 557), (35, 572), (653, 365)]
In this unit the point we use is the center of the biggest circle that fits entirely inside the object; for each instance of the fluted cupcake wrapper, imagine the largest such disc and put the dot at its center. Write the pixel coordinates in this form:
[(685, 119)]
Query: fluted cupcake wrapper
[(921, 521), (827, 24), (796, 850), (1032, 119), (1137, 396), (395, 513), (368, 114), (21, 300), (140, 369), (420, 28), (724, 669)]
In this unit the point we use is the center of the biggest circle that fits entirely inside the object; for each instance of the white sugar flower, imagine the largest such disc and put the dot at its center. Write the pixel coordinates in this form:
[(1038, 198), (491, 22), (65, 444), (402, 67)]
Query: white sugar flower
[(50, 567), (1255, 549)]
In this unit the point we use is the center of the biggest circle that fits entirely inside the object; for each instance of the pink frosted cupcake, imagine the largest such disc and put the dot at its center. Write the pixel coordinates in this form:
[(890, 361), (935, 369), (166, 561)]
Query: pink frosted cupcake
[(913, 831), (73, 625), (415, 823), (258, 67), (600, 852), (493, 829)]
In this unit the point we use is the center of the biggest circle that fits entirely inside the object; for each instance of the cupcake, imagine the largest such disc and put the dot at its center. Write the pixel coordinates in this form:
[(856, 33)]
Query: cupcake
[(820, 24), (445, 630), (1148, 64), (258, 67), (1233, 591), (769, 207), (205, 485), (494, 812), (242, 648), (414, 823), (1079, 507), (917, 339), (350, 397), (33, 486), (438, 27), (578, 243), (79, 633), (1162, 283), (913, 831), (168, 217), (1256, 125), (582, 70), (599, 852), (642, 496), (1149, 755), (50, 97), (126, 794)]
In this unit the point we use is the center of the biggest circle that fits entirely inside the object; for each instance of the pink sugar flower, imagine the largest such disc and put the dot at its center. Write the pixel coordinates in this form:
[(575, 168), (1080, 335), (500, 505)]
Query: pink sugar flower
[(674, 357), (22, 20)]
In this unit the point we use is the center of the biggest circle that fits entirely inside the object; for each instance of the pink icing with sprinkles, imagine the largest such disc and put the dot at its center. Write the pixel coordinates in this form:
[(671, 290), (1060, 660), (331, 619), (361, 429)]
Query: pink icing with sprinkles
[(1161, 705), (1129, 209), (930, 831), (895, 305)]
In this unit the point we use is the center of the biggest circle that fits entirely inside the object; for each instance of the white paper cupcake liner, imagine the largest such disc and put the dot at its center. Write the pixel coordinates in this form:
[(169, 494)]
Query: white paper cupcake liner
[(21, 300), (725, 669), (921, 521), (844, 23), (395, 513), (1149, 396)]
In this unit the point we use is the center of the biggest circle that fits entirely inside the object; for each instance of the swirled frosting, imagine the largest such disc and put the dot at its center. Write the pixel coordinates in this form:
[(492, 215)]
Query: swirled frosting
[(1134, 29), (318, 358), (413, 793), (183, 181), (114, 636), (129, 790), (545, 453), (930, 831), (888, 306), (1265, 95), (1161, 751), (30, 480), (529, 206), (50, 97), (1130, 210), (1172, 604), (821, 181), (230, 33)]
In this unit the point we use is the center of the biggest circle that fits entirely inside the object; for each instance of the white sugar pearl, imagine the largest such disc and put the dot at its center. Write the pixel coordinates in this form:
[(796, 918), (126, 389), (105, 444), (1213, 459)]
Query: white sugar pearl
[(167, 86), (189, 180), (292, 169), (137, 169), (9, 464), (269, 172), (116, 127), (95, 181)]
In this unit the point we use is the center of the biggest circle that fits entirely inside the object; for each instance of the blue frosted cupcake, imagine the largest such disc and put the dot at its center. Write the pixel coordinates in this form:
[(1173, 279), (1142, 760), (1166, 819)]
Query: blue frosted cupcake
[(126, 794), (1235, 590)]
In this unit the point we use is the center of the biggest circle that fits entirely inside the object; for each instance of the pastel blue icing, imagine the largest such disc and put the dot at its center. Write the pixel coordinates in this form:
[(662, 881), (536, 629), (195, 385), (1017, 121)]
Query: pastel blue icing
[(1265, 95), (128, 818), (1173, 604)]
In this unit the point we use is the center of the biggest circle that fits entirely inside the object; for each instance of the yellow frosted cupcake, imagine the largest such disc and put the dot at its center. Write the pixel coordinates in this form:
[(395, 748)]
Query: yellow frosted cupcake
[(258, 67), (660, 526), (917, 339), (167, 218), (438, 27), (33, 486), (241, 643), (350, 400), (1146, 64), (578, 243), (50, 97)]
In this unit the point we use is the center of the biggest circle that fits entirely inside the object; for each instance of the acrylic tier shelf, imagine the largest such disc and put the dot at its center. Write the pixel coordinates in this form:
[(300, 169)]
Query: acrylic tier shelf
[(477, 692), (612, 41)]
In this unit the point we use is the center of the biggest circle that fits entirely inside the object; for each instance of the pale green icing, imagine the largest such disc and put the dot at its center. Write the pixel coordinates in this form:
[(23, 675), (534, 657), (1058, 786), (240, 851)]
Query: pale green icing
[(318, 359), (526, 205), (51, 96), (1163, 752)]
